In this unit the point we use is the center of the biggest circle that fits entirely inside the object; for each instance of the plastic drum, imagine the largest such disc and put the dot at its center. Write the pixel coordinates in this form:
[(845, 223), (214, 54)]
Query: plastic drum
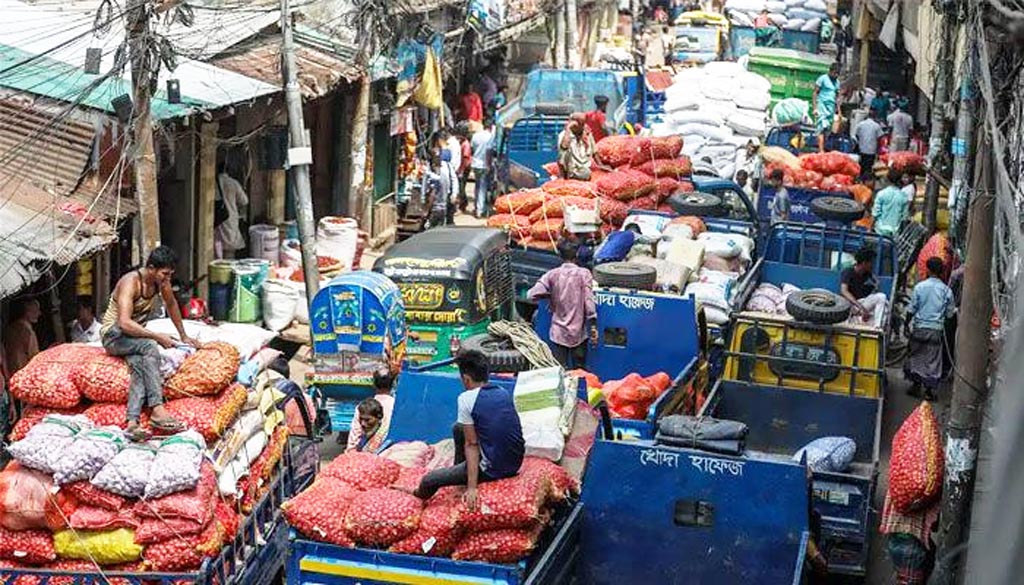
[(264, 241)]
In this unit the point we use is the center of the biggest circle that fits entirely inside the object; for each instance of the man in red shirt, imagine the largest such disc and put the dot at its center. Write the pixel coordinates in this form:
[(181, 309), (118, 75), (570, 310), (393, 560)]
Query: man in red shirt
[(596, 119), (471, 105)]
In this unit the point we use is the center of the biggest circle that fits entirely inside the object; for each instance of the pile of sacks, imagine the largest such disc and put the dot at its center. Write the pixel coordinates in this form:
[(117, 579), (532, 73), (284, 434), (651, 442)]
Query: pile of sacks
[(361, 499), (803, 15), (629, 173), (717, 109), (820, 171), (79, 490)]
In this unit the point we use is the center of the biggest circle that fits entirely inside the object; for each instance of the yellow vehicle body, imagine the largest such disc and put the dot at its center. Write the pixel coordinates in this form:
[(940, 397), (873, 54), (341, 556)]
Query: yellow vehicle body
[(703, 18), (839, 359)]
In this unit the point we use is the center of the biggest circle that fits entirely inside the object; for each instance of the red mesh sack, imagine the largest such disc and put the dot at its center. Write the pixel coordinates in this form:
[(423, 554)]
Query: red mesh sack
[(665, 147), (113, 415), (101, 377), (830, 163), (664, 187), (521, 202), (547, 229), (195, 504), (184, 553), (629, 397), (673, 167), (517, 225), (660, 382), (906, 162), (592, 380), (438, 531), (93, 518), (409, 479), (497, 546), (154, 530), (32, 547), (686, 187), (938, 246), (382, 516), (362, 470), (595, 175), (87, 494), (207, 371), (209, 415), (561, 484), (25, 501), (840, 183), (696, 224), (625, 184), (555, 207), (552, 169), (917, 462), (46, 380), (229, 519), (569, 188), (515, 502), (649, 202), (262, 469), (319, 511), (612, 211), (618, 150)]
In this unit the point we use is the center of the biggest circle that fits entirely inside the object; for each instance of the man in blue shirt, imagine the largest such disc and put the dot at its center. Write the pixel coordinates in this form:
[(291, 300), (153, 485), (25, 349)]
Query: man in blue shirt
[(488, 435), (891, 207), (931, 303)]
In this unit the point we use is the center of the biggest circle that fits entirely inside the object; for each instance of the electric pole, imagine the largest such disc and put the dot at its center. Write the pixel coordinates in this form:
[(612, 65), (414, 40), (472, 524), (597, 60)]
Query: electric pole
[(299, 156), (143, 157), (559, 60), (940, 102), (970, 386)]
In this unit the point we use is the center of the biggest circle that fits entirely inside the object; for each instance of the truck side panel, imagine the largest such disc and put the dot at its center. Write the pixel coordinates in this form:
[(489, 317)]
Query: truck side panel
[(637, 332), (678, 516)]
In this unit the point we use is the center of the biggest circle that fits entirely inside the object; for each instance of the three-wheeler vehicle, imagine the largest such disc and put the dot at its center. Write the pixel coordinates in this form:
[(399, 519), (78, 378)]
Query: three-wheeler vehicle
[(357, 326), (454, 282)]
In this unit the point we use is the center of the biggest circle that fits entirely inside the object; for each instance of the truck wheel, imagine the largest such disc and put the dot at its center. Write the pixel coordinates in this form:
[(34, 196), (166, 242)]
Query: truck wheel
[(818, 305), (626, 275), (502, 356), (837, 209), (701, 204)]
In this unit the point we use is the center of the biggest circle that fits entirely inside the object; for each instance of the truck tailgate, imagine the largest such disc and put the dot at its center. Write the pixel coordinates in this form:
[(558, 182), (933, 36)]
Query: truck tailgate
[(665, 515)]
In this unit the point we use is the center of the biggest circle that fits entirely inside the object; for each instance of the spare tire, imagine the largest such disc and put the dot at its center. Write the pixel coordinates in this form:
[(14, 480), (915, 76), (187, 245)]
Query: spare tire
[(626, 275), (837, 208), (696, 203), (501, 355), (818, 305)]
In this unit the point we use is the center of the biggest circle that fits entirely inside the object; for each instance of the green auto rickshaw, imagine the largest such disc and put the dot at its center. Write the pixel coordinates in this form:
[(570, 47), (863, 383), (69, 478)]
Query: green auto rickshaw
[(455, 281)]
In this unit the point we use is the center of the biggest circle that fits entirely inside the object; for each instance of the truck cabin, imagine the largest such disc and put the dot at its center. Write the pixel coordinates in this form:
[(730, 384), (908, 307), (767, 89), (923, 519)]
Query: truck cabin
[(454, 282)]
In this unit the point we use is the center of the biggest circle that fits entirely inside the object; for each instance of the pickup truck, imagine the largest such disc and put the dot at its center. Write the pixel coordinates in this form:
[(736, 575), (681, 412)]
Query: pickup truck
[(685, 516), (256, 556), (425, 404), (528, 126), (847, 359)]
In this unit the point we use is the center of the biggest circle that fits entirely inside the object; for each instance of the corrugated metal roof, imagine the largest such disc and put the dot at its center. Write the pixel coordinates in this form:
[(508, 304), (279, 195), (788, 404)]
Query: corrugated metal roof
[(37, 229), (64, 37), (260, 58)]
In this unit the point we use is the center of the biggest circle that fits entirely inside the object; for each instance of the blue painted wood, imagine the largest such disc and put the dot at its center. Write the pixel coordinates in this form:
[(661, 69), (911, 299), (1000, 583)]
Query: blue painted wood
[(661, 333), (758, 519)]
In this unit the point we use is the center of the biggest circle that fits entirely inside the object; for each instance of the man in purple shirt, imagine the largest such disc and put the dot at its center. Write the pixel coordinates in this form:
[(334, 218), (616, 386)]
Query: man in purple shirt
[(570, 290)]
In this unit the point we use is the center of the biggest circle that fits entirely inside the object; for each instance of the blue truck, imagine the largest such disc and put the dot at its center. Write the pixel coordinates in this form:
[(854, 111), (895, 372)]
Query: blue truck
[(813, 363), (425, 404), (528, 127)]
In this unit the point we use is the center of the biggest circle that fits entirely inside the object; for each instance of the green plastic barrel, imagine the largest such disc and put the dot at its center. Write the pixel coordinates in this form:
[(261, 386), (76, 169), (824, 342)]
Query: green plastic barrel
[(221, 271)]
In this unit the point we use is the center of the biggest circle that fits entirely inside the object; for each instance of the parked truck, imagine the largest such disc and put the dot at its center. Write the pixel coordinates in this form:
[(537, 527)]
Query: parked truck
[(425, 408)]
